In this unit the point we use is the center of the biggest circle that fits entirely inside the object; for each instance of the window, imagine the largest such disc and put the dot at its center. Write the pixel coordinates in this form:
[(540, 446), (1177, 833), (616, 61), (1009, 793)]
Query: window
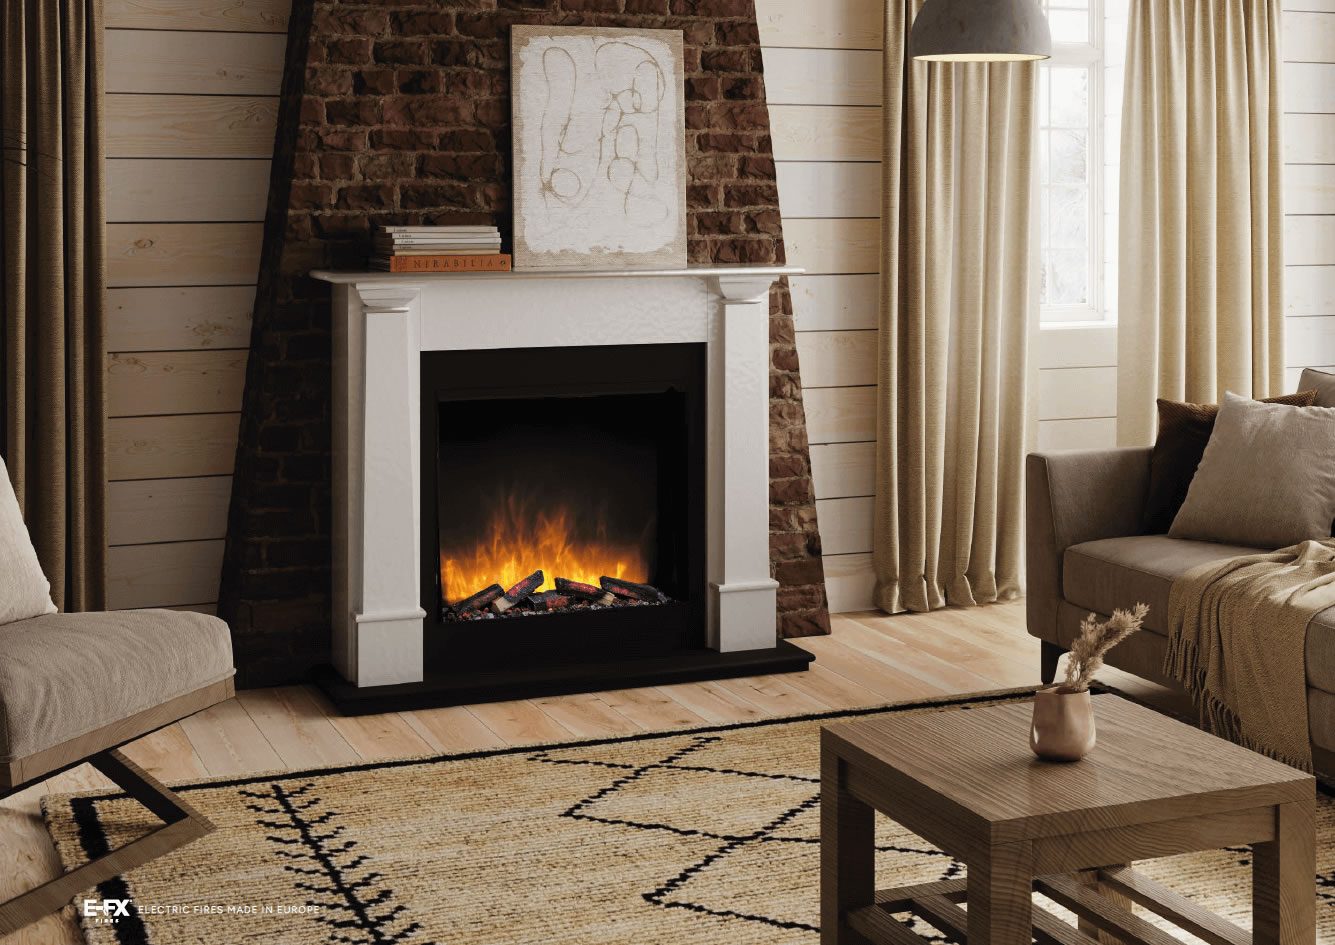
[(1079, 128)]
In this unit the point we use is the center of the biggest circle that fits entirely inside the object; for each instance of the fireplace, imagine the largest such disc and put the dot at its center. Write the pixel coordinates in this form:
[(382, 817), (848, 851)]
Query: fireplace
[(607, 429), (565, 519)]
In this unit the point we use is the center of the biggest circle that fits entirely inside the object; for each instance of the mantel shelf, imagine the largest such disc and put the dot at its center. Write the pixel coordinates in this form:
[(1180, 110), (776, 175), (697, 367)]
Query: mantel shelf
[(355, 277)]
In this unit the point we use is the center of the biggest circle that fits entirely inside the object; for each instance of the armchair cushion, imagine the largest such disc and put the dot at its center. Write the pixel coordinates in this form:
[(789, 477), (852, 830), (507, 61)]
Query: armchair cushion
[(64, 675), (24, 589)]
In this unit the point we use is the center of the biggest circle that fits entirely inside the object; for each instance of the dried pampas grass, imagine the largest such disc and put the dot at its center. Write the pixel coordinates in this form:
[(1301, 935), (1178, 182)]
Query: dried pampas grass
[(1095, 640)]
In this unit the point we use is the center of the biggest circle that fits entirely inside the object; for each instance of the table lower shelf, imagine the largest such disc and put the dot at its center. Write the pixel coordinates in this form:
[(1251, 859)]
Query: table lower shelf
[(939, 904)]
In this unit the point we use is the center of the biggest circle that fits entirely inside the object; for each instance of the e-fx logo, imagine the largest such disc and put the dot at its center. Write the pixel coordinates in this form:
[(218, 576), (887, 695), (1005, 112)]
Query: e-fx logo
[(107, 909)]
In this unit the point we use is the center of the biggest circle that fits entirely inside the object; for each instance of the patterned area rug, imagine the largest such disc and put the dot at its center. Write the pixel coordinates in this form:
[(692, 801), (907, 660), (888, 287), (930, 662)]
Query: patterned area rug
[(694, 837)]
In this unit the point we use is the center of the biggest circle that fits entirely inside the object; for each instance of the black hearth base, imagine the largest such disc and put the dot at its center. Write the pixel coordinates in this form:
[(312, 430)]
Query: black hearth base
[(474, 686)]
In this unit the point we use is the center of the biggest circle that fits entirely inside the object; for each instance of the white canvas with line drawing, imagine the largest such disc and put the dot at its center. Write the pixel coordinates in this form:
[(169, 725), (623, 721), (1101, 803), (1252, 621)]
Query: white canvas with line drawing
[(599, 148)]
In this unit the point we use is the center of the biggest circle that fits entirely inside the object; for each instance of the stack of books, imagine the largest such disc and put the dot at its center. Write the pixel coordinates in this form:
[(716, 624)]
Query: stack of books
[(438, 249)]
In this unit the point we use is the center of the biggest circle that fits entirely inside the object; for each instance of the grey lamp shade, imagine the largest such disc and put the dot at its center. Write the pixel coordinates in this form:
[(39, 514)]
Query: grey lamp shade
[(980, 31)]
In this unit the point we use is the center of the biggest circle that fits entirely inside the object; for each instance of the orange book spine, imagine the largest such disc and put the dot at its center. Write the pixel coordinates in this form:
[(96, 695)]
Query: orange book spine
[(494, 262)]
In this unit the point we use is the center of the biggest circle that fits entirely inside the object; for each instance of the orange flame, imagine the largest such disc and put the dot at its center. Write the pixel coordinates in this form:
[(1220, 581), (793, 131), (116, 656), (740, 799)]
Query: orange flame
[(519, 539)]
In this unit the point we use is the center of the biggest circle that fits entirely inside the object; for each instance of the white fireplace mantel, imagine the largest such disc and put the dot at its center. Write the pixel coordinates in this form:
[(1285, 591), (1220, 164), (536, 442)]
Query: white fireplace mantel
[(382, 323)]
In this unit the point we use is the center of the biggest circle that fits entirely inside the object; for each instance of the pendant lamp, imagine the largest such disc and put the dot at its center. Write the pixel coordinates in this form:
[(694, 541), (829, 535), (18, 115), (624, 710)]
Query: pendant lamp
[(980, 31)]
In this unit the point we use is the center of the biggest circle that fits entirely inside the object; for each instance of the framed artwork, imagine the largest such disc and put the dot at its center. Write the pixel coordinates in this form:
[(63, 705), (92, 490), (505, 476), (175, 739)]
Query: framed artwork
[(599, 148)]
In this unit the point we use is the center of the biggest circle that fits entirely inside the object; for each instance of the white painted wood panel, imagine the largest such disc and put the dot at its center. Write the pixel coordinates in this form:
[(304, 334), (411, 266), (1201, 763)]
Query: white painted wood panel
[(1310, 341), (845, 524), (161, 254), (1309, 87), (206, 126), (185, 190), (167, 447), (837, 358), (1309, 139), (1308, 37), (1324, 6), (1309, 290), (202, 63), (1309, 188), (835, 303), (1063, 347), (1093, 434), (825, 133), (157, 510), (827, 24), (163, 575), (840, 414), (829, 189), (144, 383), (822, 77), (257, 16), (179, 318), (850, 583), (823, 247), (843, 470), (1075, 393), (1309, 241)]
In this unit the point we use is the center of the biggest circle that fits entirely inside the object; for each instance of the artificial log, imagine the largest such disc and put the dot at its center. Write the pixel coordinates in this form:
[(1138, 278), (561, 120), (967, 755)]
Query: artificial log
[(479, 600), (629, 590), (518, 592), (584, 591), (548, 600)]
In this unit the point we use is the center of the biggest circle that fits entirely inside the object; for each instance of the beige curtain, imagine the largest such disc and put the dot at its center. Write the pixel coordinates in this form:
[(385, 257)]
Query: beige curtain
[(1201, 250), (53, 286), (955, 304)]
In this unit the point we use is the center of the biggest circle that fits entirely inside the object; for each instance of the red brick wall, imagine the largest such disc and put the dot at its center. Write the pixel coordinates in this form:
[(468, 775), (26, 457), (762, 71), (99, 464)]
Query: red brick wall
[(398, 111)]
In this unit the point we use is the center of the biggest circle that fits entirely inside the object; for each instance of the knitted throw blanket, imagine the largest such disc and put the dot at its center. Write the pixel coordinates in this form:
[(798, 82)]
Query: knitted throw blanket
[(1236, 644)]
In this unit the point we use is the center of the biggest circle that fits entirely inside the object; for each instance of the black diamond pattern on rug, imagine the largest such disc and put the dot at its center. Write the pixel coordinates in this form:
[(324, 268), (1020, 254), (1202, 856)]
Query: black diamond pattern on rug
[(779, 808)]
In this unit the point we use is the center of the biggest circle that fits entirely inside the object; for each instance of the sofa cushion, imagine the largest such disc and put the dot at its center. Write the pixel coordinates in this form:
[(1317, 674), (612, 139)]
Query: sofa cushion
[(1184, 432), (1119, 572), (1267, 478), (1323, 382), (63, 675), (1320, 651)]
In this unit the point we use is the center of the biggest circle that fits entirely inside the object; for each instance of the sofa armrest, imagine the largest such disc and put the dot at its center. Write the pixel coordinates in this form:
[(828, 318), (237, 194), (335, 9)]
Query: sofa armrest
[(1073, 497)]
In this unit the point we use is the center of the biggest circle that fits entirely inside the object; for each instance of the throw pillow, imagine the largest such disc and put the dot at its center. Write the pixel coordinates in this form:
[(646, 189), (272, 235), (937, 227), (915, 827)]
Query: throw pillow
[(1184, 429), (1267, 479), (24, 590), (1322, 383)]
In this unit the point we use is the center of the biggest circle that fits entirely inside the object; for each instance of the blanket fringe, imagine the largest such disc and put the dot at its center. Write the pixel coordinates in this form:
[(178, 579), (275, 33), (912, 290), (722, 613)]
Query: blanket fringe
[(1181, 664)]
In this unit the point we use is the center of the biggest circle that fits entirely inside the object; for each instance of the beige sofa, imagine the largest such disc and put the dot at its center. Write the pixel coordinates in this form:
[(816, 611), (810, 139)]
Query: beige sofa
[(1085, 554)]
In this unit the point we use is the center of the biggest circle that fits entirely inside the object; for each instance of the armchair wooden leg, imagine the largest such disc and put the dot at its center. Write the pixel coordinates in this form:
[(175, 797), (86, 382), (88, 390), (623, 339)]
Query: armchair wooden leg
[(1052, 653), (182, 824)]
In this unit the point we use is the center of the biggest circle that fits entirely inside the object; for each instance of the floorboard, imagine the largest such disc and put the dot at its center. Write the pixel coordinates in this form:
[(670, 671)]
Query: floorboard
[(869, 659)]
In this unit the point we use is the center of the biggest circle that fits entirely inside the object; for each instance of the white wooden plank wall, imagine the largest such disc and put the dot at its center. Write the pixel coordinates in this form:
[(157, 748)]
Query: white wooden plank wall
[(823, 84), (192, 91), (1309, 185)]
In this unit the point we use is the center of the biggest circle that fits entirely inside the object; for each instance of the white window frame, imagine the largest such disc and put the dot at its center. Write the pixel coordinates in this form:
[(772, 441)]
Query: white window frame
[(1091, 55)]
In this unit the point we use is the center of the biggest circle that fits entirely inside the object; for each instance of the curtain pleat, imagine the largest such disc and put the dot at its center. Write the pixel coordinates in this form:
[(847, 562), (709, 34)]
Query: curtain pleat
[(955, 299), (53, 243), (1201, 248)]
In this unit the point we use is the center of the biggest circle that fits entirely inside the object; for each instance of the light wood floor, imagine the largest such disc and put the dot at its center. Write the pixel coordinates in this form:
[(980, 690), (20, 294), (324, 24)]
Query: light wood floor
[(869, 659)]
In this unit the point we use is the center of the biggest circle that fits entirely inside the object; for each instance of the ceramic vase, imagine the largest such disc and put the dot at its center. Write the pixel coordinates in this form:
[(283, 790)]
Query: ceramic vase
[(1063, 728)]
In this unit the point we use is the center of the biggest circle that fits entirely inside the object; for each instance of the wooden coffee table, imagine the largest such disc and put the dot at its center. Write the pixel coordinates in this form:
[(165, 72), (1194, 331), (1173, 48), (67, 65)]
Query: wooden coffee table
[(965, 780)]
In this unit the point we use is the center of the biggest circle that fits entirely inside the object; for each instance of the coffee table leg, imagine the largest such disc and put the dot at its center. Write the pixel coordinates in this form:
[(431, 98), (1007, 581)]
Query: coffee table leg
[(1000, 896), (1283, 879), (847, 853)]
